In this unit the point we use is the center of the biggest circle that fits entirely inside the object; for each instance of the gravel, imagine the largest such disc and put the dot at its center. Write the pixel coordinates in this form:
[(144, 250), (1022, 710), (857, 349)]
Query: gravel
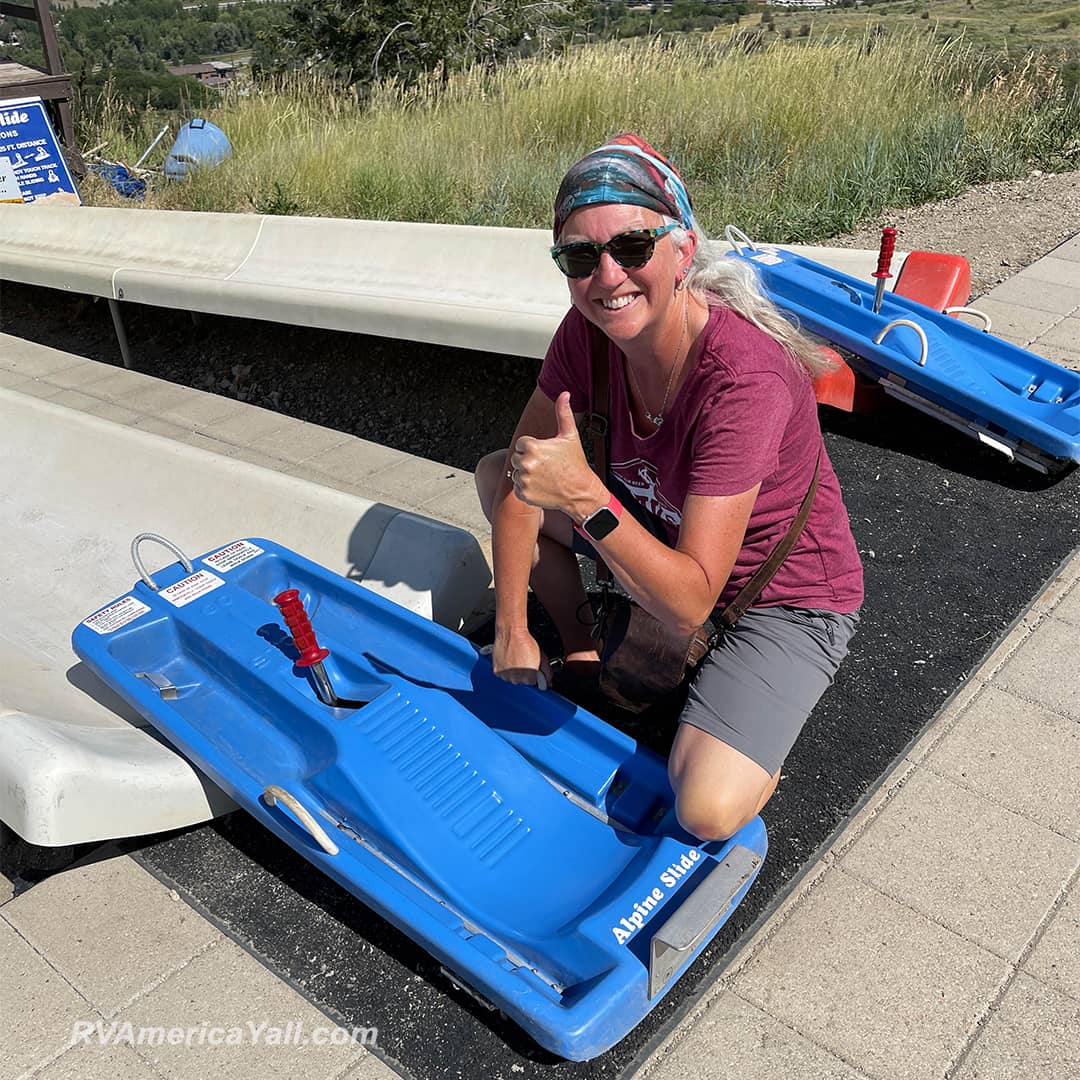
[(453, 405)]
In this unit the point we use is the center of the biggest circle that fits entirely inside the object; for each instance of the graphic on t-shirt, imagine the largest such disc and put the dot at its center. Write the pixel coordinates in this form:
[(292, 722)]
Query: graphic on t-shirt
[(639, 476)]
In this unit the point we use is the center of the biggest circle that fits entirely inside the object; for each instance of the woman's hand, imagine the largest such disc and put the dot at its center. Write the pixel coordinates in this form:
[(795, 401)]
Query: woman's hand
[(553, 473), (517, 658)]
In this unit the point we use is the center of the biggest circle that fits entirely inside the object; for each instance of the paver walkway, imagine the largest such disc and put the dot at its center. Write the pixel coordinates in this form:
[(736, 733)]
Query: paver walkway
[(938, 937)]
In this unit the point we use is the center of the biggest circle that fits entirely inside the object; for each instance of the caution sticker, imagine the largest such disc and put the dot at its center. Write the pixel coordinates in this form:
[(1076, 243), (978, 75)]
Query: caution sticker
[(125, 610), (768, 258), (191, 588), (233, 555)]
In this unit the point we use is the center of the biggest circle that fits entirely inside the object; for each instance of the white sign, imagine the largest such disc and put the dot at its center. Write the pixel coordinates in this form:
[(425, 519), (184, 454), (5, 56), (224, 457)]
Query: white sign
[(191, 588), (125, 610), (9, 183), (233, 555)]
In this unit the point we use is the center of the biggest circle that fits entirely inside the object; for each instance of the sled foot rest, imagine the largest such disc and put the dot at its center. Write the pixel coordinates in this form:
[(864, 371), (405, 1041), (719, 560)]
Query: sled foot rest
[(939, 281), (844, 389), (706, 906)]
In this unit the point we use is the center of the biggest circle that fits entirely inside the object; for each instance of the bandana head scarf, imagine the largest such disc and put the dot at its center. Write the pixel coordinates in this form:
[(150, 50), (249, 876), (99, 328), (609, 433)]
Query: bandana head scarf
[(625, 169)]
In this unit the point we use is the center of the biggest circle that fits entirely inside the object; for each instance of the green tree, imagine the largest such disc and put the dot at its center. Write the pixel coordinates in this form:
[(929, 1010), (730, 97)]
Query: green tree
[(359, 41)]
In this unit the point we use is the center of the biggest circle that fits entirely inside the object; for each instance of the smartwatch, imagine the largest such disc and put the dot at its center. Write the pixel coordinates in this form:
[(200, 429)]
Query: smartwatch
[(602, 522)]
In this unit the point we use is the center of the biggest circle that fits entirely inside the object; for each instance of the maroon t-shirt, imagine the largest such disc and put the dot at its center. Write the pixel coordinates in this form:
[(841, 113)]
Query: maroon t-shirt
[(745, 413)]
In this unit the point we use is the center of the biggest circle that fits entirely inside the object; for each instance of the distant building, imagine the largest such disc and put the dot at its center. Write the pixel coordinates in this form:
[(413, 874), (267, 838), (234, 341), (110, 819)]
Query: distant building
[(216, 73), (798, 3)]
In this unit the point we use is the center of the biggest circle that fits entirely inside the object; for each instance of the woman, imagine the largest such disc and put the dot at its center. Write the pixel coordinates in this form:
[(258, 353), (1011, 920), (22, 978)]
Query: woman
[(714, 442)]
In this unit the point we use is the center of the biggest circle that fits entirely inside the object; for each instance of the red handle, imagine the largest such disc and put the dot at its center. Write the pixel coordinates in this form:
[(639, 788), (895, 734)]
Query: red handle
[(884, 259), (296, 619)]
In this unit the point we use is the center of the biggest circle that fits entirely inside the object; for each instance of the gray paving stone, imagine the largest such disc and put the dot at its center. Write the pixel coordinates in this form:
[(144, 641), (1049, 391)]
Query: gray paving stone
[(38, 1007), (82, 374), (225, 989), (91, 1061), (299, 441), (1017, 323), (117, 414), (11, 380), (415, 480), (984, 872), (110, 928), (1046, 667), (1055, 271), (734, 1038), (1068, 607), (118, 384), (460, 506), (1065, 334), (156, 426), (244, 424), (199, 409), (39, 388), (1069, 358), (1034, 293), (370, 1068), (1033, 1034), (354, 460), (1055, 960), (75, 399), (876, 983), (152, 397), (31, 358), (1069, 250), (1017, 754)]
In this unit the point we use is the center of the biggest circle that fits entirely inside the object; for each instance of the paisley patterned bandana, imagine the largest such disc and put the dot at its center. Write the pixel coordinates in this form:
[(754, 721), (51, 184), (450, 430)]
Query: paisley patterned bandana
[(626, 169)]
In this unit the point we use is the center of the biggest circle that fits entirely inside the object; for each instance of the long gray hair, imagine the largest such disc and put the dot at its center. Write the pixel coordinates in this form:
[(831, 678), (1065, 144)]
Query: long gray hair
[(715, 279)]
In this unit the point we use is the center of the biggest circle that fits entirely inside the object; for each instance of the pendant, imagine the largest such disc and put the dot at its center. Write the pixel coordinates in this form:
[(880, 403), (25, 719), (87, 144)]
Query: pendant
[(656, 421)]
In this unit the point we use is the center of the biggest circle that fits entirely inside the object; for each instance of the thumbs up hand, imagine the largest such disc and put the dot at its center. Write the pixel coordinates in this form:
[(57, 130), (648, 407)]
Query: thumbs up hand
[(553, 473)]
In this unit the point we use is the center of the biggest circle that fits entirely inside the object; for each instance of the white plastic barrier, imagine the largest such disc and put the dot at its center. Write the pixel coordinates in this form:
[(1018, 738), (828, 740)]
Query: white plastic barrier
[(480, 288), (76, 763)]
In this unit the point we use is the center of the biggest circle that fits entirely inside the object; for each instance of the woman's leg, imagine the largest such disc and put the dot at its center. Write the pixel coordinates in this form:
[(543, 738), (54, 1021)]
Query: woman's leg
[(555, 576), (745, 709)]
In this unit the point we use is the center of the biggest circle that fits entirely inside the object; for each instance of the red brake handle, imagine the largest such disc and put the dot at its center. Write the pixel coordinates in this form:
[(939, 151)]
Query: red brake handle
[(884, 259), (296, 619)]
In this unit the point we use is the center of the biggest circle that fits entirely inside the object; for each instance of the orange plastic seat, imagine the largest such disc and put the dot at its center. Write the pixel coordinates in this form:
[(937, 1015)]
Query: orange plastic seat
[(939, 281), (841, 388)]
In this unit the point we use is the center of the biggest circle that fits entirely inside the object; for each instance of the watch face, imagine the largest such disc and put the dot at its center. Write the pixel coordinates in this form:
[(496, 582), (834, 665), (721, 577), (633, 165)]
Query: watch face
[(600, 524)]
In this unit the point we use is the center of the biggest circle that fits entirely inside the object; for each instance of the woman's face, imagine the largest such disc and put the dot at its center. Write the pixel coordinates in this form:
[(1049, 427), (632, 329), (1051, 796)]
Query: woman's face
[(628, 304)]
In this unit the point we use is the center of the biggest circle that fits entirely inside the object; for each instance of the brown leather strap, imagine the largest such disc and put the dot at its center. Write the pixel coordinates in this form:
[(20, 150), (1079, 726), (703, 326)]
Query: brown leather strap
[(753, 589), (597, 423)]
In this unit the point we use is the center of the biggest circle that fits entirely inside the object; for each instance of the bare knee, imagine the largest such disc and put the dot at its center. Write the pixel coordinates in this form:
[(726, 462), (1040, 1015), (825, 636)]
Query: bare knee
[(715, 816), (489, 471)]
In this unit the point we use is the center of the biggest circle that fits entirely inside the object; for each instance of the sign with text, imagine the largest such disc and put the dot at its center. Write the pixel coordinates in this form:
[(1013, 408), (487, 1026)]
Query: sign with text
[(32, 168)]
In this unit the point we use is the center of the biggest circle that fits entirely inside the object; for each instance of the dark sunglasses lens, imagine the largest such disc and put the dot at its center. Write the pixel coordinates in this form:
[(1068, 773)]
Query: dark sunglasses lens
[(631, 250), (578, 260)]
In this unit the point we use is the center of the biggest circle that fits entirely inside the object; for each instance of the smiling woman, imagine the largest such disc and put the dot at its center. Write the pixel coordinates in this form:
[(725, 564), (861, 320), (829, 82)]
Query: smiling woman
[(715, 460)]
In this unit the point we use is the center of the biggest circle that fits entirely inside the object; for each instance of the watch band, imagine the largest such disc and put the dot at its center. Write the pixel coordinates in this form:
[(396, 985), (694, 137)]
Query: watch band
[(612, 504)]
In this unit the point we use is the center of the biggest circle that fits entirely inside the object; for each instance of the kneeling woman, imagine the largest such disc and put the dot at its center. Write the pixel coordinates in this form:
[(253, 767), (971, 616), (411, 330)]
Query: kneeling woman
[(714, 442)]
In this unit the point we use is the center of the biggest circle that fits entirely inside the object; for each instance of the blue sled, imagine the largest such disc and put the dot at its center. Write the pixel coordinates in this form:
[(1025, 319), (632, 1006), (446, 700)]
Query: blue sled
[(1021, 404), (529, 846)]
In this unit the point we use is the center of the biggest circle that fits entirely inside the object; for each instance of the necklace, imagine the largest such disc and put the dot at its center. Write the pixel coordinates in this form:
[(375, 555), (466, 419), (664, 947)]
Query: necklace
[(658, 419)]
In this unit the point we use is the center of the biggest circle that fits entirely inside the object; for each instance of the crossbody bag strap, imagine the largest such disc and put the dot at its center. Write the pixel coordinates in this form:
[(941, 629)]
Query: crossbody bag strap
[(752, 590), (598, 426)]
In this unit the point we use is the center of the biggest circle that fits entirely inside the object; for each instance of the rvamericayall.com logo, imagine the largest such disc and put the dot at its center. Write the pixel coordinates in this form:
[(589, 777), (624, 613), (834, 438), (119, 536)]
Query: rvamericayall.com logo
[(249, 1033)]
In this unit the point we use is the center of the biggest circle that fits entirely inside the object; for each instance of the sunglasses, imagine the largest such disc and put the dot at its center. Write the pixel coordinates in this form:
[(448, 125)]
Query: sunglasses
[(629, 249)]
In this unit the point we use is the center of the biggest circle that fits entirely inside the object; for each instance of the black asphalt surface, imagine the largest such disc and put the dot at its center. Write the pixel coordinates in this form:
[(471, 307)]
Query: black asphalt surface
[(955, 542)]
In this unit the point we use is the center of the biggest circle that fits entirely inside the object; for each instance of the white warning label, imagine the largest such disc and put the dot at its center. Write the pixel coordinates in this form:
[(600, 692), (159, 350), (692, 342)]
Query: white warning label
[(233, 555), (191, 588), (768, 258), (125, 610)]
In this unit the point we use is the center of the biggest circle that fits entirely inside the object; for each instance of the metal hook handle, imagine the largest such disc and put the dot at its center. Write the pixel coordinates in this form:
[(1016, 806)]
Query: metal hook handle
[(914, 326), (734, 235), (971, 311), (184, 560), (274, 794)]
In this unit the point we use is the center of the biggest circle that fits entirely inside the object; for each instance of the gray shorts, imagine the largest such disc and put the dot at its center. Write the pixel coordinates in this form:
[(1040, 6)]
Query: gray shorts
[(757, 687)]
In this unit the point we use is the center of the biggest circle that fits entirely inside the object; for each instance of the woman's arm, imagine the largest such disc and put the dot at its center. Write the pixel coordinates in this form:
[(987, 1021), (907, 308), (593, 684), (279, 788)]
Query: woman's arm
[(679, 586)]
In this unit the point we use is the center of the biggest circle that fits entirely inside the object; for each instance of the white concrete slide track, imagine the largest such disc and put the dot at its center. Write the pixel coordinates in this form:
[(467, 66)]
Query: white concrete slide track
[(490, 289), (76, 763)]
